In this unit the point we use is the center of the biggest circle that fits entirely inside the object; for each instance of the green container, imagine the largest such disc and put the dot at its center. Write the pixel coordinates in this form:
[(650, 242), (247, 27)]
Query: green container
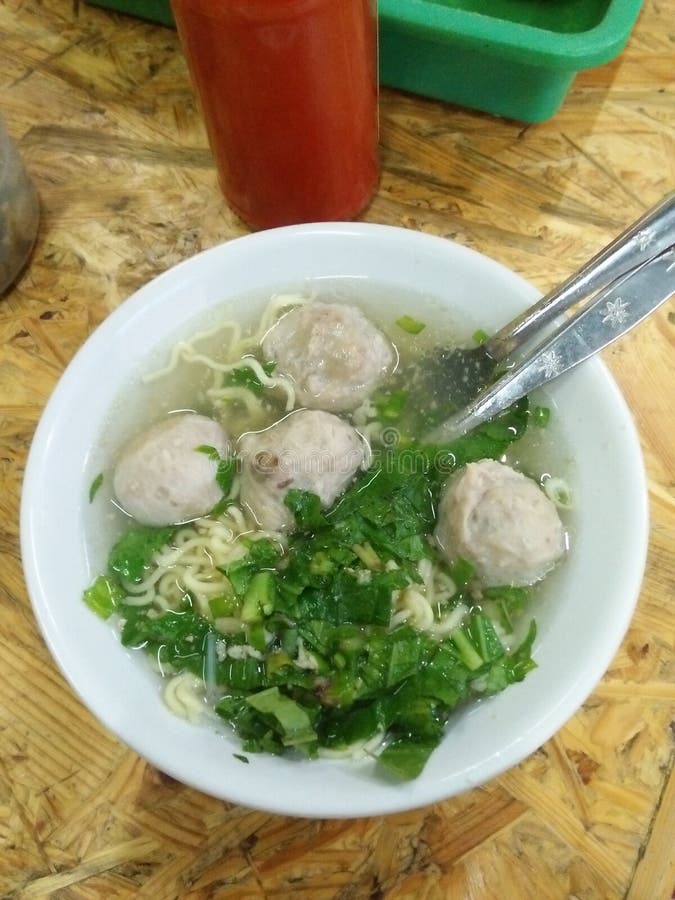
[(514, 58), (152, 10)]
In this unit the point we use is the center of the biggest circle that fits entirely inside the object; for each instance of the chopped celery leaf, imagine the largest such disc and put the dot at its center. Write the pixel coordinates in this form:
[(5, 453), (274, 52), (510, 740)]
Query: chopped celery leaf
[(225, 472), (306, 509), (133, 552), (246, 377), (489, 440), (226, 469)]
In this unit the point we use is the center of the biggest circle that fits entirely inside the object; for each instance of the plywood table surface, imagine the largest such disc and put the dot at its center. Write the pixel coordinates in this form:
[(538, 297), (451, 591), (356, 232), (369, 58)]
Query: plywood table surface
[(105, 118)]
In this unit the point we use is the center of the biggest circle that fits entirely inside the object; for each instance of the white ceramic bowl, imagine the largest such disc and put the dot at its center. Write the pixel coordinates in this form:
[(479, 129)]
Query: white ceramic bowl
[(580, 627)]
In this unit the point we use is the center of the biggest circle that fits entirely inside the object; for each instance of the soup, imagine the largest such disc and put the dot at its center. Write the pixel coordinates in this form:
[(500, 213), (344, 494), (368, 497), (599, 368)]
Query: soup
[(297, 562)]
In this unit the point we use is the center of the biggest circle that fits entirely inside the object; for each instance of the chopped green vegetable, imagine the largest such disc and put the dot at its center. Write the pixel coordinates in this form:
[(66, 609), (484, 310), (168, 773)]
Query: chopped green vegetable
[(541, 416), (104, 596), (390, 404), (406, 757), (243, 675), (133, 552), (176, 639), (509, 602), (558, 491), (294, 724), (262, 554), (259, 598), (209, 451), (341, 729), (370, 680), (461, 572), (520, 662), (95, 485), (245, 377), (277, 661), (223, 605), (306, 509), (488, 441), (479, 336), (484, 637), (412, 326), (256, 636), (468, 653), (254, 729), (227, 469)]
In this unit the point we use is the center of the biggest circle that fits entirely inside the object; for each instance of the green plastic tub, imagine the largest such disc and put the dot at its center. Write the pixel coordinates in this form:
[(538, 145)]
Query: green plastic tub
[(514, 58), (152, 10)]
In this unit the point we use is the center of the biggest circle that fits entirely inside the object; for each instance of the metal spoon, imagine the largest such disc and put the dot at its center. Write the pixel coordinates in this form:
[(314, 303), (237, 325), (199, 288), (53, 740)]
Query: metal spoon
[(463, 372), (611, 314)]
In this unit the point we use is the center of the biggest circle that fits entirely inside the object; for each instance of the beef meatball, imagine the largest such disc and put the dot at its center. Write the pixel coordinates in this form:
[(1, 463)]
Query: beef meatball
[(162, 479), (333, 353), (500, 521), (310, 450)]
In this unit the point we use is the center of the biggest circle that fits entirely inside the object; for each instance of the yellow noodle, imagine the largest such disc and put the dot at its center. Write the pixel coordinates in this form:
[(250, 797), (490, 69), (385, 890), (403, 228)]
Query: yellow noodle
[(220, 395), (417, 605), (189, 566), (279, 304), (184, 695), (238, 345), (178, 350), (448, 622), (246, 362), (420, 612)]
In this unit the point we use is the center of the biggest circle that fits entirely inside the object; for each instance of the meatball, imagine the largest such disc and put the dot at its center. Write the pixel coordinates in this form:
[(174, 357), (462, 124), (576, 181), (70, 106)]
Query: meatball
[(162, 479), (310, 450), (500, 521), (333, 353)]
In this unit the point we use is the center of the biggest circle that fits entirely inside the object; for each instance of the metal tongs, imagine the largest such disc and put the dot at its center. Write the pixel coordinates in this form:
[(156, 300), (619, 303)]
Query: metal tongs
[(622, 285)]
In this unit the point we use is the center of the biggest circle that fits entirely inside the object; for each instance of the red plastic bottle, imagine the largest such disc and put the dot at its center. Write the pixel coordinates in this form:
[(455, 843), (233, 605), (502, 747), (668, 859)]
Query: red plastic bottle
[(288, 90)]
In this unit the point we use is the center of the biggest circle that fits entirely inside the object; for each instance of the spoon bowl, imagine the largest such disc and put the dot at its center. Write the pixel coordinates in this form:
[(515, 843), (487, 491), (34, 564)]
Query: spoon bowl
[(462, 373)]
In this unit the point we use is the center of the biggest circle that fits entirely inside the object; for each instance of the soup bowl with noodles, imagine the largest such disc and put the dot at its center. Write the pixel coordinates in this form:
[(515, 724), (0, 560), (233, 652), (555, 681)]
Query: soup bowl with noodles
[(255, 572)]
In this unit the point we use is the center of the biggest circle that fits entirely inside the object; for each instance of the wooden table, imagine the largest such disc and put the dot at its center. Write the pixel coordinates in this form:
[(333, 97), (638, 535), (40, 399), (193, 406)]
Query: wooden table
[(106, 121)]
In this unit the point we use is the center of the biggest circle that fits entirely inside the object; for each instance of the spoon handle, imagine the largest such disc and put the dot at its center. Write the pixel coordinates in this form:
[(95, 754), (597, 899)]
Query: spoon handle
[(649, 236), (610, 315)]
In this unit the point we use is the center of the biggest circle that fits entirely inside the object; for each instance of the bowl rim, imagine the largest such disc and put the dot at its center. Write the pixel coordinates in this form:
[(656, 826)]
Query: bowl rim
[(403, 798)]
